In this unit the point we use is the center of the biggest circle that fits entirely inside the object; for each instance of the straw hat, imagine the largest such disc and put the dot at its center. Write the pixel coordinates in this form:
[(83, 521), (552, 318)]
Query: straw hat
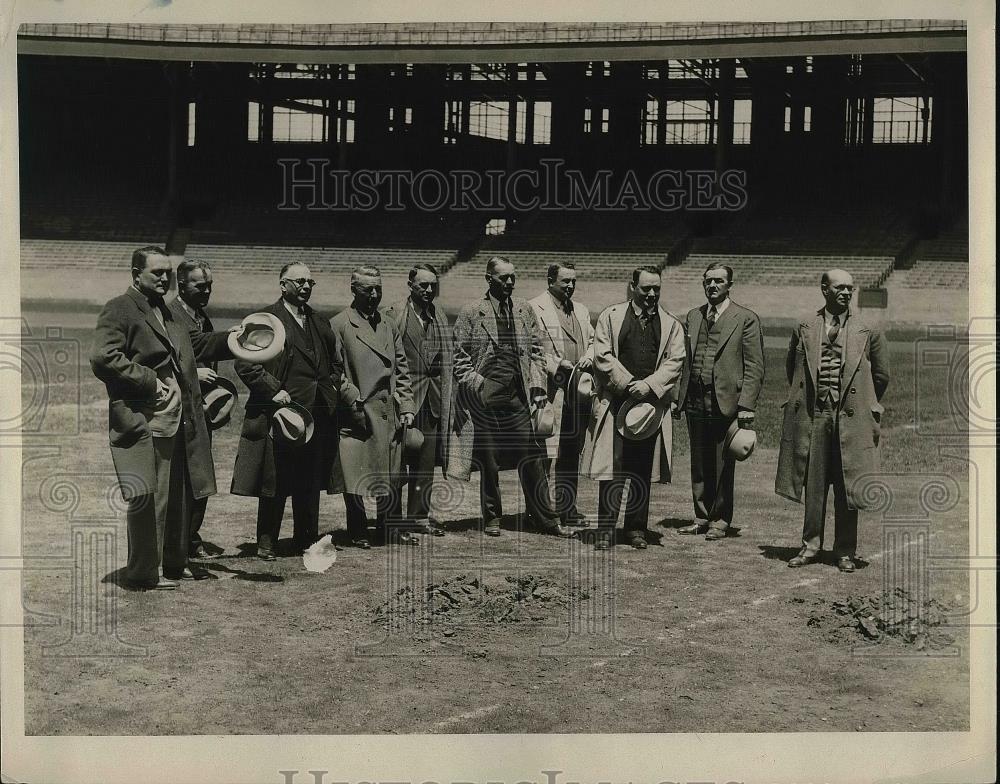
[(218, 398), (740, 441), (638, 421), (261, 337), (293, 424)]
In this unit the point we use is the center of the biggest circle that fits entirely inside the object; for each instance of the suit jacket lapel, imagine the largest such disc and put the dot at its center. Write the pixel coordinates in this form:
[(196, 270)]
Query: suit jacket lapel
[(813, 342), (149, 314), (727, 322), (365, 334), (410, 323), (696, 330), (617, 318), (487, 317), (855, 337), (664, 328)]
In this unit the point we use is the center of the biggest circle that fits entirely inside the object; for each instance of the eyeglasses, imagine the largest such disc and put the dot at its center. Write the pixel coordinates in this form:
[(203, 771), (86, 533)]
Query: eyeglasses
[(300, 282)]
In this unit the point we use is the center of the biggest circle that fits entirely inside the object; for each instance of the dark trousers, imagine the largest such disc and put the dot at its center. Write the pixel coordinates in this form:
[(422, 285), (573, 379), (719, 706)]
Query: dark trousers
[(503, 427), (305, 519), (198, 513), (712, 475), (357, 518), (634, 461), (567, 462), (824, 469), (158, 521)]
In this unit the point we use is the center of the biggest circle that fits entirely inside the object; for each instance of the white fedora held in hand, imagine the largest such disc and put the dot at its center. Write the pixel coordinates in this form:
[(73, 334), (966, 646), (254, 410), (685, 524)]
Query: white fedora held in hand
[(261, 337), (740, 441), (293, 424), (638, 421)]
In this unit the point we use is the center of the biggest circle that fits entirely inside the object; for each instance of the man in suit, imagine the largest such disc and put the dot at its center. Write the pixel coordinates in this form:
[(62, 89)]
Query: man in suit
[(378, 406), (567, 339), (638, 355), (159, 440), (307, 372), (499, 373), (725, 353), (194, 290), (427, 343), (838, 370)]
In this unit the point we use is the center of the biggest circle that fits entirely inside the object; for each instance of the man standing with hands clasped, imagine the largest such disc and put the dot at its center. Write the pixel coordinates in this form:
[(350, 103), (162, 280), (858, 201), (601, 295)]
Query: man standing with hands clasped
[(838, 370), (725, 374)]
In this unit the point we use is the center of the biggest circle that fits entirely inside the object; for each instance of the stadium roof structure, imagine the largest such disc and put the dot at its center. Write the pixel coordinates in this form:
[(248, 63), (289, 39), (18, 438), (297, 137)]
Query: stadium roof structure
[(468, 42)]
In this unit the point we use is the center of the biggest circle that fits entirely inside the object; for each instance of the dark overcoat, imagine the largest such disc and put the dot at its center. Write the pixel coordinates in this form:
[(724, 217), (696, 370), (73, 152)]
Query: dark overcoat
[(131, 351), (255, 472), (865, 376), (375, 368)]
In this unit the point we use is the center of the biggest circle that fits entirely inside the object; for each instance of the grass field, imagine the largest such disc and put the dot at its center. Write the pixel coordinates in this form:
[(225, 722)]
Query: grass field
[(709, 636)]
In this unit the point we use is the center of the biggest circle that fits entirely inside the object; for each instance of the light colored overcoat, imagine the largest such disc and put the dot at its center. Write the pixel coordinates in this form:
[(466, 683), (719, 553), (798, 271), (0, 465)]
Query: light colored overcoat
[(475, 343), (375, 365), (612, 379), (554, 338), (864, 378)]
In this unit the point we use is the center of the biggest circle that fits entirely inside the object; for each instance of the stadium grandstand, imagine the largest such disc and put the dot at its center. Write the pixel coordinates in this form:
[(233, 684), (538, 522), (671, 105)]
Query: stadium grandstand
[(789, 148)]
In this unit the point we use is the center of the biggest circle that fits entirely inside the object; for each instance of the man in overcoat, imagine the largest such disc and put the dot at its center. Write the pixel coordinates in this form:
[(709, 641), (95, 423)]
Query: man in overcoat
[(427, 343), (159, 440), (723, 380), (499, 378), (378, 405), (194, 290), (307, 371), (838, 370), (638, 355), (567, 338)]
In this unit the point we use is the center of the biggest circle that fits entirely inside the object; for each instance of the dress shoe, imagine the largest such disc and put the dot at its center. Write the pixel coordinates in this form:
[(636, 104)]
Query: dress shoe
[(428, 527), (492, 528), (163, 584), (845, 563), (555, 528), (265, 554), (637, 540), (407, 538), (694, 528), (183, 574), (201, 553), (361, 543), (804, 558), (715, 534), (575, 520)]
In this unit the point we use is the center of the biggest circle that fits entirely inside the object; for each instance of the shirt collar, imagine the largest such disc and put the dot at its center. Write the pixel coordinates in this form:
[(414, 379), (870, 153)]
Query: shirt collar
[(187, 308), (293, 309), (496, 302), (828, 316), (637, 310), (721, 307), (560, 304), (428, 312)]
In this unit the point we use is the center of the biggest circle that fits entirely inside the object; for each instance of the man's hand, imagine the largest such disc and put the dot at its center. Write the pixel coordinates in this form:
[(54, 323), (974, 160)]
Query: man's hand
[(207, 374), (565, 364), (585, 364), (282, 397), (638, 390), (406, 420), (745, 418)]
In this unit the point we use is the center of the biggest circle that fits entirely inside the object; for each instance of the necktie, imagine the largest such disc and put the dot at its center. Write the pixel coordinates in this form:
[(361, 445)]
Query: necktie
[(505, 312), (712, 316), (568, 307), (834, 329), (199, 319)]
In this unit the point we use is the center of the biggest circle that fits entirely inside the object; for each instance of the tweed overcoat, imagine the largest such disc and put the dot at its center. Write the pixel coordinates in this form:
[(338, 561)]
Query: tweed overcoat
[(130, 351), (864, 378), (612, 379), (475, 342), (375, 367), (553, 338)]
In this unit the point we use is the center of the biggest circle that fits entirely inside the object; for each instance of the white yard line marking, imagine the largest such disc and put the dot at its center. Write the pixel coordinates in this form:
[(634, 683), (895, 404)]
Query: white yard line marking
[(478, 713)]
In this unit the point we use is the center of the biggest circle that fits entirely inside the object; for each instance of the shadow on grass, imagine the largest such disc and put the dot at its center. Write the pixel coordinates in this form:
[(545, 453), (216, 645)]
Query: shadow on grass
[(773, 553), (240, 574), (674, 522)]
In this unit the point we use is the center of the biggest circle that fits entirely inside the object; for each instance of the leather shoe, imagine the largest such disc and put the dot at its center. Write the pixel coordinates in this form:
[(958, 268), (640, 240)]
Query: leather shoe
[(555, 528), (804, 558), (183, 574), (575, 520), (845, 563), (201, 553), (163, 584), (265, 554), (638, 541), (603, 539), (362, 543), (492, 528), (694, 528), (715, 534)]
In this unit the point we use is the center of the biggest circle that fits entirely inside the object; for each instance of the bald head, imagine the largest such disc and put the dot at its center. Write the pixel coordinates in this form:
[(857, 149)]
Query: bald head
[(837, 286)]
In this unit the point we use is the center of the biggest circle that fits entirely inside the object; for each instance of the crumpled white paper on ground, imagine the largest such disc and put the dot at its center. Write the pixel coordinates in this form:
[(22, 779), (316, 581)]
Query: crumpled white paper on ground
[(320, 556)]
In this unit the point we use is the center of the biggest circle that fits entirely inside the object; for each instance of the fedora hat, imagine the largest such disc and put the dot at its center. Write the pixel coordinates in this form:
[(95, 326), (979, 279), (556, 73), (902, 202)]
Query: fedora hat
[(585, 384), (218, 398), (543, 421), (261, 337), (638, 421), (293, 424), (413, 440), (740, 441)]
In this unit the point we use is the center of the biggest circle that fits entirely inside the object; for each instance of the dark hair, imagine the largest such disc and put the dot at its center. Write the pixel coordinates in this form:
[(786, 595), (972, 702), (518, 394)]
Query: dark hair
[(422, 266), (140, 258), (553, 269), (491, 264), (644, 268), (187, 266), (720, 265)]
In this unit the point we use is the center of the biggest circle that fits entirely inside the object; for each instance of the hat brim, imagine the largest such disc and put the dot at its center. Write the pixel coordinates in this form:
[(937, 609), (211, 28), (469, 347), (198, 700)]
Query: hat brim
[(310, 425), (738, 454), (222, 416), (258, 355), (651, 428)]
